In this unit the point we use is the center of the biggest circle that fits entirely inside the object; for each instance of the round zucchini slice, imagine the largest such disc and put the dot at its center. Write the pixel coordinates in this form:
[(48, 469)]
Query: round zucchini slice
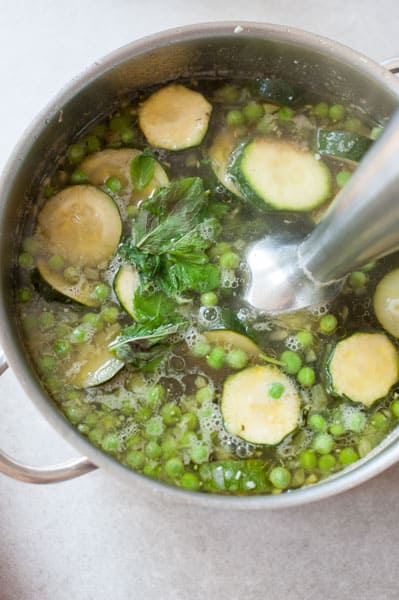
[(93, 363), (232, 339), (280, 175), (386, 302), (220, 155), (82, 224), (126, 283), (364, 367), (175, 117), (261, 405), (80, 291), (116, 163)]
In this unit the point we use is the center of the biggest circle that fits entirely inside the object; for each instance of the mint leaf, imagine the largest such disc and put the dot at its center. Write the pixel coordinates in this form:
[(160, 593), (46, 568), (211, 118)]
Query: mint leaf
[(142, 170), (183, 275), (154, 309)]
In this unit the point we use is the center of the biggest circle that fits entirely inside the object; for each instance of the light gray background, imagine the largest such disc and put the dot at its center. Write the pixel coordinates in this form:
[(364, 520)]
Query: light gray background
[(94, 538)]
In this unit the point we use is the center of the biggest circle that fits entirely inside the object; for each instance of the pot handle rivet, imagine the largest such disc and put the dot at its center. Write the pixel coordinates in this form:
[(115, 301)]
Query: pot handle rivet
[(53, 474)]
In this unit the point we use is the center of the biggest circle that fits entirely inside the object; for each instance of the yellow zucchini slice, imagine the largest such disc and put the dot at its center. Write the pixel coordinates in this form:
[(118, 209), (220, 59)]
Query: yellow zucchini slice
[(220, 154), (231, 339), (82, 224), (364, 367), (80, 291), (126, 283), (93, 363), (280, 175), (116, 163), (261, 405), (386, 302), (175, 117)]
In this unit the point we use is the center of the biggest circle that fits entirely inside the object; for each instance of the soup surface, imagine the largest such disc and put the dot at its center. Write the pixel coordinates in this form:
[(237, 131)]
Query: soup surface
[(130, 284)]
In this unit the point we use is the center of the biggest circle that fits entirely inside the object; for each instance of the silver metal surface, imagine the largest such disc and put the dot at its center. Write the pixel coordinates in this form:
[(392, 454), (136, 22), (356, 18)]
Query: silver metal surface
[(53, 474), (234, 49), (361, 226)]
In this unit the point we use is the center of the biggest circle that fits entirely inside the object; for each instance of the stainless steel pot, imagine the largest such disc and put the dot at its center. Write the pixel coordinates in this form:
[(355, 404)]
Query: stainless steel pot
[(209, 50)]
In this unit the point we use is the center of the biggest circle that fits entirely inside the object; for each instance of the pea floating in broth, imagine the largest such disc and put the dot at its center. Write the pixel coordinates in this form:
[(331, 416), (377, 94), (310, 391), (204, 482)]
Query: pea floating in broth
[(130, 291)]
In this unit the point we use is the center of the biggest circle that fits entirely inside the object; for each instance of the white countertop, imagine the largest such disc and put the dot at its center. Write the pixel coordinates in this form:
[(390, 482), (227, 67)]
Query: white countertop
[(94, 538)]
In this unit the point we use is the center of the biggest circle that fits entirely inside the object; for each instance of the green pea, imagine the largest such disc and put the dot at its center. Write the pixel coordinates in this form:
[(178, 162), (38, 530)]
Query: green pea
[(135, 459), (336, 112), (342, 177), (61, 347), (265, 124), (31, 245), (170, 413), (110, 314), (190, 481), (379, 421), (78, 176), (72, 274), (128, 135), (376, 132), (74, 413), (328, 324), (79, 335), (143, 413), (92, 319), (276, 390), (209, 299), (204, 394), (47, 362), (237, 359), (285, 113), (100, 291), (174, 467), (353, 124), (111, 443), (336, 429), (46, 320), (199, 453), (218, 249), (280, 477), (190, 421), (25, 260), (132, 211), (304, 338), (291, 360), (227, 93), (321, 109), (306, 376), (317, 423), (56, 263), (358, 280), (169, 446), (201, 349), (153, 450), (308, 459), (95, 435), (119, 123), (152, 469), (229, 260), (323, 443), (76, 153), (24, 294), (395, 408), (156, 393), (347, 456), (114, 185), (253, 111), (93, 144), (364, 447), (234, 118), (216, 358), (154, 427), (355, 421), (326, 462)]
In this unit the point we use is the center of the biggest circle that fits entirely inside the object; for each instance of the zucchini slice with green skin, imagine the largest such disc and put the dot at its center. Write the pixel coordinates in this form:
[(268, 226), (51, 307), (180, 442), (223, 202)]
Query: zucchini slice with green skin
[(175, 117), (82, 224), (277, 90), (277, 174), (220, 155), (364, 367), (235, 476), (231, 339), (260, 404), (93, 363), (342, 144), (126, 282), (79, 292), (116, 163), (386, 302)]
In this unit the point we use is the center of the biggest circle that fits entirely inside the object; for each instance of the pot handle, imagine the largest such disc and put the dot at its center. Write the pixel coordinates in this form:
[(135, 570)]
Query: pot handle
[(392, 64), (53, 474)]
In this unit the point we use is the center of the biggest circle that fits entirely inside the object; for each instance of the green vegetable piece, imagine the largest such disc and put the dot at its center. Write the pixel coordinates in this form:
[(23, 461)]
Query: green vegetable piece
[(306, 376), (174, 467), (395, 408), (237, 358), (342, 177), (317, 423), (235, 476), (358, 280), (326, 462), (142, 170), (305, 338), (277, 90), (323, 443), (308, 459), (328, 324), (209, 299), (190, 481), (342, 144), (216, 358), (336, 112), (280, 477), (201, 349), (276, 390), (347, 456), (291, 360), (321, 109), (234, 118), (253, 111)]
